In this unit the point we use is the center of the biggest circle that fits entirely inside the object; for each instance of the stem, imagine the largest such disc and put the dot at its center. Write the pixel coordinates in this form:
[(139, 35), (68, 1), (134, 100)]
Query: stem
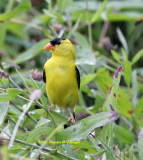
[(18, 124), (89, 25), (15, 123), (33, 119), (37, 147)]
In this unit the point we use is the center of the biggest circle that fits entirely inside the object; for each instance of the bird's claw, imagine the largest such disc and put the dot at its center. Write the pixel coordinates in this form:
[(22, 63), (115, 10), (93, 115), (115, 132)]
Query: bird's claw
[(71, 118), (49, 107)]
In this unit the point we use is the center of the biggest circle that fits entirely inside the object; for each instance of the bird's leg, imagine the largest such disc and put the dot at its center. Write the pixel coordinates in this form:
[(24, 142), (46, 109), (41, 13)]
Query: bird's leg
[(52, 106), (71, 118)]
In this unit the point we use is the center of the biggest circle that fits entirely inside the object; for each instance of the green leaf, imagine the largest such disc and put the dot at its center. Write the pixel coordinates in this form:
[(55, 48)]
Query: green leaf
[(81, 40), (86, 79), (36, 132), (82, 128), (3, 111), (24, 82), (15, 91), (4, 97), (123, 135), (127, 72), (58, 118), (42, 98), (31, 53), (104, 80), (122, 40), (42, 122), (139, 108), (84, 56), (137, 56), (116, 56), (24, 6), (85, 145), (73, 154), (98, 13), (113, 91), (140, 144), (74, 28)]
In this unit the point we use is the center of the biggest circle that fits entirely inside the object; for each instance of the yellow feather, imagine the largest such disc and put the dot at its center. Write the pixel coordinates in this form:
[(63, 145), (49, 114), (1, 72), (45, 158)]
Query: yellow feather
[(61, 80)]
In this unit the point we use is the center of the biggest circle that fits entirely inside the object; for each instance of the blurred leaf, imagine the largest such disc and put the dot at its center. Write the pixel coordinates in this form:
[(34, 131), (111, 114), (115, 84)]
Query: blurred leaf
[(112, 94), (99, 12), (139, 108), (3, 111), (82, 128), (135, 88), (74, 28), (7, 130), (15, 91), (72, 153), (4, 97), (105, 133), (137, 56), (116, 56), (24, 82), (84, 56), (122, 40), (58, 118), (122, 134), (127, 72), (140, 143), (63, 4), (42, 122), (81, 40), (24, 6), (104, 80), (85, 145), (36, 133), (18, 30), (86, 79), (31, 53), (42, 98), (81, 99)]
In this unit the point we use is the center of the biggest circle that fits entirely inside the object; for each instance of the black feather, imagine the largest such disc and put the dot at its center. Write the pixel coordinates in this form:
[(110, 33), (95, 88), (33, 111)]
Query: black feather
[(77, 76), (44, 76), (56, 41)]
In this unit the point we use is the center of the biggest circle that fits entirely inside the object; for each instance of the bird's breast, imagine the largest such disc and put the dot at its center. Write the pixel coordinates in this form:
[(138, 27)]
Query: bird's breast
[(61, 83)]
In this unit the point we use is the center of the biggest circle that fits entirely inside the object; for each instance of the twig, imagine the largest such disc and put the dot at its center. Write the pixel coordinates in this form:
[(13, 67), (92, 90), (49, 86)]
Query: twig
[(140, 78), (104, 30), (89, 25), (37, 147), (18, 123), (27, 114), (107, 60), (26, 23), (15, 123)]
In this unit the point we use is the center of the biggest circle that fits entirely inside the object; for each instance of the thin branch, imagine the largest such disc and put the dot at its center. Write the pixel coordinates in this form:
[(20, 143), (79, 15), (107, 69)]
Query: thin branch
[(15, 123), (26, 23), (18, 123), (37, 147), (27, 114), (89, 25)]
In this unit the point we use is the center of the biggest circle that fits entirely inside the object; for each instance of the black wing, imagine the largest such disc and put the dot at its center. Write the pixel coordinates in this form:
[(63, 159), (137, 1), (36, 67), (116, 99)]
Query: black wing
[(44, 76), (77, 76)]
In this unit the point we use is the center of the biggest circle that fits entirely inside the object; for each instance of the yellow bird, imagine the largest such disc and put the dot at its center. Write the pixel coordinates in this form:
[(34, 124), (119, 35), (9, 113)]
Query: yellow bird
[(61, 75)]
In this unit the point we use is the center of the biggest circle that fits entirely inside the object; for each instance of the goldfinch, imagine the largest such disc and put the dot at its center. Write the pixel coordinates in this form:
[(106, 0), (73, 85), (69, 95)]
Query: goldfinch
[(61, 75)]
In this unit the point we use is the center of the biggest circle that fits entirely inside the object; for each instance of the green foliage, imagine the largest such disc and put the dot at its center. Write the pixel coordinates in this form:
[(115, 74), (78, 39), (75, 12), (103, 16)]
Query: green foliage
[(109, 56)]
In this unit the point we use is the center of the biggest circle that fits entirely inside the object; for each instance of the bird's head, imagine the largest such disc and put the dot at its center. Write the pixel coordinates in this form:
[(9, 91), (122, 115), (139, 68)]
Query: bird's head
[(61, 47)]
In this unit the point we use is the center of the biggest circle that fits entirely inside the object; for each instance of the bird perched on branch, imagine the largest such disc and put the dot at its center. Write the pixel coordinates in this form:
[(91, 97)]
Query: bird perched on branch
[(61, 75)]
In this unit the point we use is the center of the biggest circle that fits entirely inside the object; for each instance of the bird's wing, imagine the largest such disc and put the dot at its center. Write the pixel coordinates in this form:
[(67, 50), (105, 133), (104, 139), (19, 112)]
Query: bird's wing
[(77, 76), (44, 76)]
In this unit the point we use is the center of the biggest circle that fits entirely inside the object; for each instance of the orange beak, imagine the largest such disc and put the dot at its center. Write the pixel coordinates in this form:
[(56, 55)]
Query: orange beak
[(49, 46)]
